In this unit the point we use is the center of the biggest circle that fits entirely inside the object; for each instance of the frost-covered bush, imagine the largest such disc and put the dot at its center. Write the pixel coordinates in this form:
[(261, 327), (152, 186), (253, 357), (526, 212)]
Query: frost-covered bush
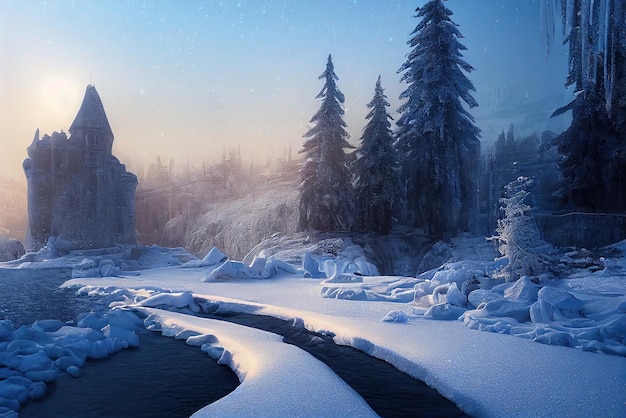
[(235, 227), (518, 237)]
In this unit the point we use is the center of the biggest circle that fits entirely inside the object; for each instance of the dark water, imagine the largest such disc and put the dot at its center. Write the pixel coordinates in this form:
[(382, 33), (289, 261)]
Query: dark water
[(28, 295), (164, 377)]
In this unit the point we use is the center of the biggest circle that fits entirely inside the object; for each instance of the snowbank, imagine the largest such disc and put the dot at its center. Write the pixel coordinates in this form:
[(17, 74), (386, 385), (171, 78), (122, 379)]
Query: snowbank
[(485, 373), (277, 379), (586, 311), (516, 377)]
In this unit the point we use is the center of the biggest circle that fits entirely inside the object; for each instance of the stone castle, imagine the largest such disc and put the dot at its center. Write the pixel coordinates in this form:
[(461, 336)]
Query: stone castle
[(79, 194)]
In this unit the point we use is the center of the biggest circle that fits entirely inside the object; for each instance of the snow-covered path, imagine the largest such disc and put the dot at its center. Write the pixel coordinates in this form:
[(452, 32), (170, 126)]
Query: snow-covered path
[(279, 379)]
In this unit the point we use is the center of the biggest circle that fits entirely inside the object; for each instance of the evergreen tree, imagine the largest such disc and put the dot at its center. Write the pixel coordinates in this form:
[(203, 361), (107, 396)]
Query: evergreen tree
[(326, 191), (518, 237), (377, 185), (437, 135), (594, 166)]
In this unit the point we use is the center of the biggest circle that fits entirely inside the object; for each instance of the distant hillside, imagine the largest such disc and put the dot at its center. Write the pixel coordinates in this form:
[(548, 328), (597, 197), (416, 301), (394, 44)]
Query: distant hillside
[(236, 225)]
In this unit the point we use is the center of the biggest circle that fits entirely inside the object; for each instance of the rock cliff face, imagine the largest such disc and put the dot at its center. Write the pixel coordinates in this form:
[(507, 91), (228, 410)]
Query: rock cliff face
[(78, 192)]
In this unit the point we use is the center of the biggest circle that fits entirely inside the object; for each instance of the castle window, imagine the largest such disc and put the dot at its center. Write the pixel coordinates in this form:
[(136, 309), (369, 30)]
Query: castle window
[(91, 139)]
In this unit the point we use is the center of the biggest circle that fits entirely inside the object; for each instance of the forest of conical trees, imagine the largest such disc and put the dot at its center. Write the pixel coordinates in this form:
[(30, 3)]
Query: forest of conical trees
[(425, 169), (426, 173)]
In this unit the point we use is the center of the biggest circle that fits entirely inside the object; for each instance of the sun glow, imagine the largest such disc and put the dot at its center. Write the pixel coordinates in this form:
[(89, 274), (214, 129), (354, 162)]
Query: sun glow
[(60, 95)]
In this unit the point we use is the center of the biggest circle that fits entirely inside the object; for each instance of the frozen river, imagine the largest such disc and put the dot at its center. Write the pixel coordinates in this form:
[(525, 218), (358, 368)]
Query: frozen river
[(32, 294), (158, 372)]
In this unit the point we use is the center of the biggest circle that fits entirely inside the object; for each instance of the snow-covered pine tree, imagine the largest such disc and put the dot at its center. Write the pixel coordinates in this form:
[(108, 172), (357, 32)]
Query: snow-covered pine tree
[(326, 198), (437, 135), (594, 166), (518, 237), (377, 187)]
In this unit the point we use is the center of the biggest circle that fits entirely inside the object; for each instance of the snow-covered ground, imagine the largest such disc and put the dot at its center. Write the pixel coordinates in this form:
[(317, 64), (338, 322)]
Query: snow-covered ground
[(522, 368)]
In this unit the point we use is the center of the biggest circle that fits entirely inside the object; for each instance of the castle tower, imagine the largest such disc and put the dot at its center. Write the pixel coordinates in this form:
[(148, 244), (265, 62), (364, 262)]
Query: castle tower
[(91, 130), (78, 192)]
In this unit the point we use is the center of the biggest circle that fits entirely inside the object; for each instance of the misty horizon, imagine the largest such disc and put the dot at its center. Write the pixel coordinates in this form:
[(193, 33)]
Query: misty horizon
[(187, 82)]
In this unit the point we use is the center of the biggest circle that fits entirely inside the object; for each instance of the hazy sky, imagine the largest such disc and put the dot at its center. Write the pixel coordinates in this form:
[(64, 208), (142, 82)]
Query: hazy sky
[(184, 79)]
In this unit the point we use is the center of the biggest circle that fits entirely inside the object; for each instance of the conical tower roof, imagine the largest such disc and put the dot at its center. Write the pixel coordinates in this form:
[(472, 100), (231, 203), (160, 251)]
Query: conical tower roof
[(91, 114)]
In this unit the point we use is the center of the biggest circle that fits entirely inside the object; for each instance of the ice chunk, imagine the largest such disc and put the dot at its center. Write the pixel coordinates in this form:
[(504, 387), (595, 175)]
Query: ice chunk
[(502, 308), (175, 300), (212, 258), (6, 330), (365, 267), (278, 264), (15, 387), (215, 353), (68, 361), (336, 272), (479, 296), (522, 290), (259, 268), (347, 293), (93, 321), (444, 311), (311, 267), (107, 268), (48, 325), (73, 371), (556, 338), (9, 405), (454, 296), (37, 361), (127, 319), (228, 270), (115, 332), (396, 316), (554, 304), (86, 268), (22, 347), (199, 340)]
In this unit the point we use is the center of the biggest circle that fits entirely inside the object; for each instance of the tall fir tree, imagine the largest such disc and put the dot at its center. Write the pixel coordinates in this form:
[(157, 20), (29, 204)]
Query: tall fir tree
[(594, 149), (376, 187), (436, 134), (326, 198)]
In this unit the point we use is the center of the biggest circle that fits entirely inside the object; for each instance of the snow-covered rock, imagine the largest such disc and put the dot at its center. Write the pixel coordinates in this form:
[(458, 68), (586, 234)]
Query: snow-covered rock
[(555, 304), (213, 257), (396, 316), (32, 356), (311, 267), (259, 268), (10, 249), (444, 311)]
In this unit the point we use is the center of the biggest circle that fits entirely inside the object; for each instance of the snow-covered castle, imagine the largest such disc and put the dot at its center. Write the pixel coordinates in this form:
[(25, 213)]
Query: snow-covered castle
[(79, 194)]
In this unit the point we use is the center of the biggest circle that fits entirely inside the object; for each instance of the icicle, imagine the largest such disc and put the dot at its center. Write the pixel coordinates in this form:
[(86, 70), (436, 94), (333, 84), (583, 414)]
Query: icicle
[(567, 17), (594, 29), (547, 16), (615, 21), (584, 43)]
